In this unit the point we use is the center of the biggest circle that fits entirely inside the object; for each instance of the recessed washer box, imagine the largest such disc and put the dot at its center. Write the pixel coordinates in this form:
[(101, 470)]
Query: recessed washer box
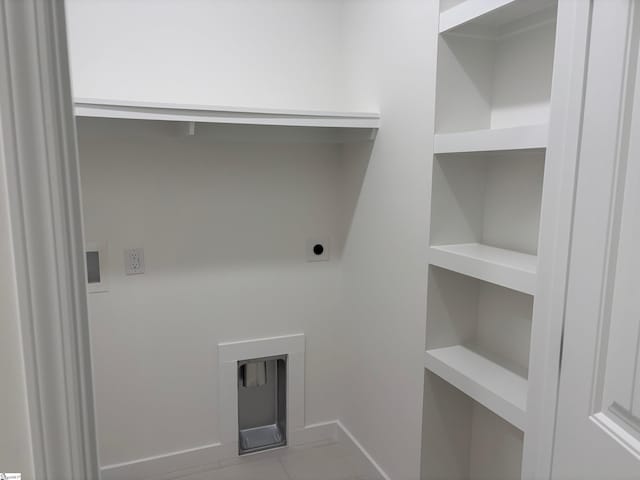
[(262, 404), (274, 391)]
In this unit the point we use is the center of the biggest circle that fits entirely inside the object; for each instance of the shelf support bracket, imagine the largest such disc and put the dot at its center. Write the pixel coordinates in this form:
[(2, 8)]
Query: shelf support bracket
[(188, 129)]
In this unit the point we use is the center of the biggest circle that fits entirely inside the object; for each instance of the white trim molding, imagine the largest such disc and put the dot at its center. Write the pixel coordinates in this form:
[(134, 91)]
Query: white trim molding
[(230, 353), (554, 243), (38, 144), (176, 465)]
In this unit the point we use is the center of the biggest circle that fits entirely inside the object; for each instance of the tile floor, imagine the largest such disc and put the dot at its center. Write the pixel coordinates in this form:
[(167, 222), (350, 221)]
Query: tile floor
[(323, 462)]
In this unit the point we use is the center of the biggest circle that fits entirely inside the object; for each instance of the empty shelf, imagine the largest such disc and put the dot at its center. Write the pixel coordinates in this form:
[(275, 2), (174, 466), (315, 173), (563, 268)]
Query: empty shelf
[(489, 13), (497, 388), (506, 268), (515, 138), (224, 115)]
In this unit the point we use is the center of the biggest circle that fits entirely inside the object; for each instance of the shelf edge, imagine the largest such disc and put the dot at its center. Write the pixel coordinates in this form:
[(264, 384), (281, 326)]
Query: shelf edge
[(503, 407), (506, 276), (467, 12), (224, 115), (491, 140)]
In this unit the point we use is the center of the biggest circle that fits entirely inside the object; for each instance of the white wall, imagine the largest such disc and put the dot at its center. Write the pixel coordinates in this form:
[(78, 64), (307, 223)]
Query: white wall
[(15, 439), (276, 53), (224, 229), (392, 46), (223, 226)]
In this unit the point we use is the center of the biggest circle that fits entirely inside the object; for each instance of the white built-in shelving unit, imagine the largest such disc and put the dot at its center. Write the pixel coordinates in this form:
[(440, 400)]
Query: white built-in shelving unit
[(334, 126), (495, 66)]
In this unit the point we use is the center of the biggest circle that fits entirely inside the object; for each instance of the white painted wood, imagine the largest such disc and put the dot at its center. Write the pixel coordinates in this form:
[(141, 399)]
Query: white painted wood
[(490, 198), (469, 10), (223, 114), (312, 434), (489, 12), (169, 465), (16, 452), (506, 268), (494, 80), (494, 84), (496, 446), (462, 310), (495, 321), (598, 422), (555, 235), (497, 388), (503, 328), (39, 148), (210, 133), (260, 347), (495, 67), (489, 140)]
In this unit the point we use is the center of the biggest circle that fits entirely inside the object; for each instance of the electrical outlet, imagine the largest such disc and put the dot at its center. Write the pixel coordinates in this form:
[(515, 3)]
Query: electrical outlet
[(134, 261), (318, 250)]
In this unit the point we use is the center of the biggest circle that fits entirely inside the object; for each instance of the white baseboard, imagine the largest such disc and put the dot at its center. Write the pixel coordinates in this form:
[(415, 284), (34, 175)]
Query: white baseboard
[(177, 464), (168, 465), (345, 437), (316, 433)]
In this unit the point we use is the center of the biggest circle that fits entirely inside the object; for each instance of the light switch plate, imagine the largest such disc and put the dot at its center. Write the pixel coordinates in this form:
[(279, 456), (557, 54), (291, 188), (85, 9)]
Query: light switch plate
[(134, 261), (318, 250)]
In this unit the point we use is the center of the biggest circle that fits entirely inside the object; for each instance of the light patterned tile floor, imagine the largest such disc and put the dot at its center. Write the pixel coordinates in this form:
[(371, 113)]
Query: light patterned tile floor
[(325, 462)]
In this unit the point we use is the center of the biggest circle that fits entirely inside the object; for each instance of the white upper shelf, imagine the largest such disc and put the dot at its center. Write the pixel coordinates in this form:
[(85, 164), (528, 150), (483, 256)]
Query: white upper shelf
[(506, 268), (224, 115), (491, 140), (489, 13)]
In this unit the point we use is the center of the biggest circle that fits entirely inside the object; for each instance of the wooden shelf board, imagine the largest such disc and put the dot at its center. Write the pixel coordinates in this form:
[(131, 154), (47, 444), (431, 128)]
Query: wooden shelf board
[(506, 268), (491, 140), (490, 13), (497, 388), (224, 115)]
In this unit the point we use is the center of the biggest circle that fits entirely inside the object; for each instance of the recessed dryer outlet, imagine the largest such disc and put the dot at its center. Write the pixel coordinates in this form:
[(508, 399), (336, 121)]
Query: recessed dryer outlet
[(262, 404), (318, 250)]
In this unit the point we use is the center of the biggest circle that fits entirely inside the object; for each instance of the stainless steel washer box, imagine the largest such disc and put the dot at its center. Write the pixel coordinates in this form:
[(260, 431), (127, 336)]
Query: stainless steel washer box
[(262, 404)]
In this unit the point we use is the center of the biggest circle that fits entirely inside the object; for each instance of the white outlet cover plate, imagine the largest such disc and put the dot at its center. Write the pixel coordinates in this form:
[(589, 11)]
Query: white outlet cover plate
[(312, 256), (134, 261)]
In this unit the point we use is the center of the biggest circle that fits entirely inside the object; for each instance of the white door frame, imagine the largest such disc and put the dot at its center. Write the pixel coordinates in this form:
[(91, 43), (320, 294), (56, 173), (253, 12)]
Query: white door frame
[(554, 244), (597, 431), (38, 145)]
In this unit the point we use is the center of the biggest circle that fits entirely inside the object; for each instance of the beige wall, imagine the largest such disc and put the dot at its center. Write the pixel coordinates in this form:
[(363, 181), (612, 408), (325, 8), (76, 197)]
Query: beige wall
[(15, 440)]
